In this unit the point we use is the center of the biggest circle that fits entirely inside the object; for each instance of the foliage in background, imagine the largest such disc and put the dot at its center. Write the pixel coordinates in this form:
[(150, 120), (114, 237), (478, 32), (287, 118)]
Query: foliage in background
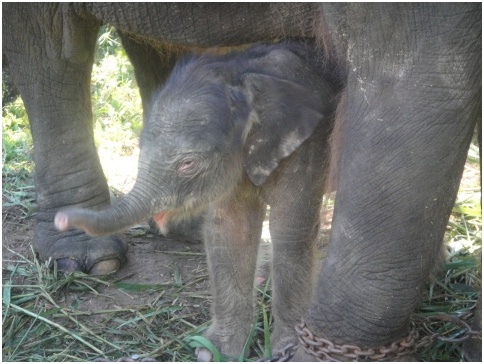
[(37, 328), (116, 101), (17, 165)]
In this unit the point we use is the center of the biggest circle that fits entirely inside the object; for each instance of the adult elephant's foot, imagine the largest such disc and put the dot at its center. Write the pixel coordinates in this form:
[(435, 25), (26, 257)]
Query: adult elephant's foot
[(75, 251)]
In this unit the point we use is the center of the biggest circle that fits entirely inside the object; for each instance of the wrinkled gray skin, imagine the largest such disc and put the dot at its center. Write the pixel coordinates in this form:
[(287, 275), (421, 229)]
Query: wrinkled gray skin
[(411, 98), (233, 135)]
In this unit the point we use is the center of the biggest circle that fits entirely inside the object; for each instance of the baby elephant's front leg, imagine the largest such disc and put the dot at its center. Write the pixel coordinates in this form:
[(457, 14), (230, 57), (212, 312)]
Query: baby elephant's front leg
[(232, 234)]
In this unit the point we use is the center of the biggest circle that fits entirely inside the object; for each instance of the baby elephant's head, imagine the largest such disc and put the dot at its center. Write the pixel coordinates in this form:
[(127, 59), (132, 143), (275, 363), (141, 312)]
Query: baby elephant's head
[(211, 125), (192, 144)]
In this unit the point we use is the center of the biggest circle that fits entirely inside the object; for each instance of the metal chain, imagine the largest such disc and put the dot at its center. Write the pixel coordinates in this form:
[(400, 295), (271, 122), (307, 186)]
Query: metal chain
[(325, 350)]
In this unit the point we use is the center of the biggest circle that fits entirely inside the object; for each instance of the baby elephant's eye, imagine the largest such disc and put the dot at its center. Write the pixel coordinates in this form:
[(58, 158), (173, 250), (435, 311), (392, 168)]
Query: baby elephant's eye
[(188, 167)]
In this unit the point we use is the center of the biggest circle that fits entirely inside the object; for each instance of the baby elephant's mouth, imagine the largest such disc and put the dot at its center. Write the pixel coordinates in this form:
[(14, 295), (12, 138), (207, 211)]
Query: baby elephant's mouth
[(191, 208), (162, 218)]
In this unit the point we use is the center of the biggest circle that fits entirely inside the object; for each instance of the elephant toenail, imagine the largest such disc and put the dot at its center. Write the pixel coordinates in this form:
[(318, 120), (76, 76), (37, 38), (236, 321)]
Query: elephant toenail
[(203, 354), (105, 267), (68, 265)]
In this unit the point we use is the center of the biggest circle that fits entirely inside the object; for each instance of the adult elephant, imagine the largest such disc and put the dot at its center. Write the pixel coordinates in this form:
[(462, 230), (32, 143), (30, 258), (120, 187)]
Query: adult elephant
[(411, 98)]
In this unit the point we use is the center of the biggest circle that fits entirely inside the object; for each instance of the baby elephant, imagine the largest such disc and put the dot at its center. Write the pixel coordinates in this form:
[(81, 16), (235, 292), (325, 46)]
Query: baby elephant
[(229, 135)]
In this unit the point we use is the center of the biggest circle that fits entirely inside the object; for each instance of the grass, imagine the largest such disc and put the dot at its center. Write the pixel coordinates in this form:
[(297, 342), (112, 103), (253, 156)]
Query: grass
[(39, 326), (41, 318), (458, 282)]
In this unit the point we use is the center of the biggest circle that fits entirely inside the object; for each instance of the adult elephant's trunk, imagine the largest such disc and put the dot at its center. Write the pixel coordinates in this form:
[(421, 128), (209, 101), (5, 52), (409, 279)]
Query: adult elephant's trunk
[(132, 209)]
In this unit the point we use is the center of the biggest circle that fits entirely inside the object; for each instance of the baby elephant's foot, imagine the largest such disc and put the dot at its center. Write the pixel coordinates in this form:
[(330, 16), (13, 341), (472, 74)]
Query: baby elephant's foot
[(228, 339), (75, 251), (282, 339)]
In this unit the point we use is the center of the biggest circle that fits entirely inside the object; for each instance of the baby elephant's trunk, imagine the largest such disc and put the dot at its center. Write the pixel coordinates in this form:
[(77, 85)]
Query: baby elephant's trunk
[(127, 212)]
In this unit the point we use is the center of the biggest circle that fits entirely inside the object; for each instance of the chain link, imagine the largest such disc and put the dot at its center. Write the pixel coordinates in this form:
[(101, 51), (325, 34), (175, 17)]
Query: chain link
[(464, 331), (284, 355)]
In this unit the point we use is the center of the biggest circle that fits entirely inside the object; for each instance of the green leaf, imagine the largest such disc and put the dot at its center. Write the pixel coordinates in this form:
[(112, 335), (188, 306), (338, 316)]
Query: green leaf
[(177, 276), (267, 335), (467, 262), (6, 294)]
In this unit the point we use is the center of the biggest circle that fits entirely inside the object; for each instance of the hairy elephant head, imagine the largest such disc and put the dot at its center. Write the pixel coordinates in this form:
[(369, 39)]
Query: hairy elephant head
[(216, 119)]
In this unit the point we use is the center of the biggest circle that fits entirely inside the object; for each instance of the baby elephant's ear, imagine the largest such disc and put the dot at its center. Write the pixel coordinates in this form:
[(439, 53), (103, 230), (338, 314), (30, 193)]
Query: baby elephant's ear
[(288, 113)]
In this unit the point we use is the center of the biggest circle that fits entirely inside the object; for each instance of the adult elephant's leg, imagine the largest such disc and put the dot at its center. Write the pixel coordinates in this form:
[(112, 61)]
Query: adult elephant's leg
[(51, 53), (152, 63), (411, 109)]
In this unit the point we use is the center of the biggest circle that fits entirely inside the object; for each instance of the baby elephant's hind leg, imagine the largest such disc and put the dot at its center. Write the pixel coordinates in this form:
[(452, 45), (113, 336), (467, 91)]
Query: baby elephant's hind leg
[(294, 253), (294, 227)]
